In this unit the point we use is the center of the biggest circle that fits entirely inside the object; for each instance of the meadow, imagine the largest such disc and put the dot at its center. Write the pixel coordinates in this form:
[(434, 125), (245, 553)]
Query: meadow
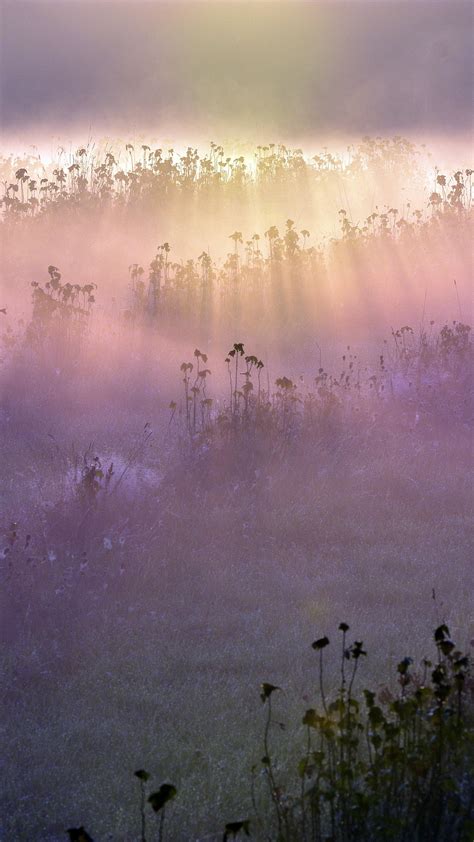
[(236, 494)]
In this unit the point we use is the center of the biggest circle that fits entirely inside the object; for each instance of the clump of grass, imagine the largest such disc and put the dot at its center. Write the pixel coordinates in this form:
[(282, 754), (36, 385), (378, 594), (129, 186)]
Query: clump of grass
[(388, 763), (58, 327), (89, 176), (420, 372), (397, 766), (60, 310)]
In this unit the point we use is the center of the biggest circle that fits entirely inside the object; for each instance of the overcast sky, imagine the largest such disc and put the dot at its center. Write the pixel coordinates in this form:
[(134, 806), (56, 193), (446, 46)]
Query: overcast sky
[(270, 70)]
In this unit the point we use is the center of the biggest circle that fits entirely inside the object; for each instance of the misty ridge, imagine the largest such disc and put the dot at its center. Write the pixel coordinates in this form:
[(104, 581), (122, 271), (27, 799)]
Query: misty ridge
[(236, 382), (303, 219)]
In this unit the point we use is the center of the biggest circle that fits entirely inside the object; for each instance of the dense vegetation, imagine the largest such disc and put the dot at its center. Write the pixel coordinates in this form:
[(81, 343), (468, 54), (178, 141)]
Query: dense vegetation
[(127, 175), (210, 461)]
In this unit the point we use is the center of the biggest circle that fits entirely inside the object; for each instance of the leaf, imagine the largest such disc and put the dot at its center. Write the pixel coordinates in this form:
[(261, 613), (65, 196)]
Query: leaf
[(439, 674), (403, 666), (266, 690), (142, 775), (441, 632), (311, 718), (343, 627), (461, 662), (357, 650), (376, 716), (369, 698), (159, 799), (79, 834), (337, 706), (234, 828), (284, 383), (321, 643), (446, 647)]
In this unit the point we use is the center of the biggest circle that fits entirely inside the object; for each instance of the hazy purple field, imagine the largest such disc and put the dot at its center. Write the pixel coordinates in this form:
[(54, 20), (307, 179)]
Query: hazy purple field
[(236, 381)]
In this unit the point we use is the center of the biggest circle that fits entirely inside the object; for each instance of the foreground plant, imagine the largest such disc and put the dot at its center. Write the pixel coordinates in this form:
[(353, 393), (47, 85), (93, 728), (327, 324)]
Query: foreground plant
[(424, 371), (397, 766)]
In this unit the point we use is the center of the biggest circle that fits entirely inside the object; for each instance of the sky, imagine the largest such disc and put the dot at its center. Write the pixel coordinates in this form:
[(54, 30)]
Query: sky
[(215, 69)]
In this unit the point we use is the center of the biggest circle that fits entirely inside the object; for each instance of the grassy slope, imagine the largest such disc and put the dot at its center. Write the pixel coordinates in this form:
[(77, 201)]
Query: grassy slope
[(223, 584)]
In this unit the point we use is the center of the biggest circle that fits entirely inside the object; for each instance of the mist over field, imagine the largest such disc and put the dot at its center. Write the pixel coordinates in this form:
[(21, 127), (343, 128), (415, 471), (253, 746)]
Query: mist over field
[(238, 70), (236, 421)]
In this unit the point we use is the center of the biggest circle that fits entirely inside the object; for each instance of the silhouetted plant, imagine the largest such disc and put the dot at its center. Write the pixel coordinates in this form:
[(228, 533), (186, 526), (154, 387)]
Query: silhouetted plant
[(397, 770), (158, 801), (397, 766)]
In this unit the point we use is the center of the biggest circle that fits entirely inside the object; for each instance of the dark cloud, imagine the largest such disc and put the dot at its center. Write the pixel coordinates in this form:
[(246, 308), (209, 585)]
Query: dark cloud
[(290, 68)]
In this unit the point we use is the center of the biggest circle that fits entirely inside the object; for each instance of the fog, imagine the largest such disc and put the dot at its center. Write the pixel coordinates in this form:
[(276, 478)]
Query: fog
[(236, 413), (392, 281), (246, 71)]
